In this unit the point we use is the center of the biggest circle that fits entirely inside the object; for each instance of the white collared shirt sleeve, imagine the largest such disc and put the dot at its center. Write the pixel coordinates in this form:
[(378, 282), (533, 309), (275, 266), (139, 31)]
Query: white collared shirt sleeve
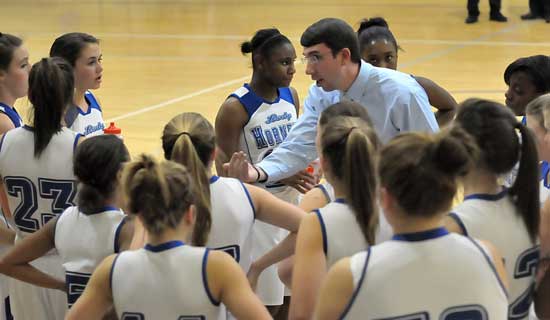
[(413, 112), (298, 149)]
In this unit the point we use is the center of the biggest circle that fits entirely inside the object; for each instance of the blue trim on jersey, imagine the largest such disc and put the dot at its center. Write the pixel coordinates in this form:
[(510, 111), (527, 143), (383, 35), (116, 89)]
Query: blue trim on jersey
[(164, 246), (205, 278), (112, 271), (92, 102), (12, 114), (422, 235), (249, 199), (117, 234), (2, 140), (340, 200), (323, 230), (106, 208), (544, 170), (27, 127), (214, 179), (325, 192), (75, 144), (458, 221), (487, 196), (491, 264), (359, 285), (524, 121), (251, 101)]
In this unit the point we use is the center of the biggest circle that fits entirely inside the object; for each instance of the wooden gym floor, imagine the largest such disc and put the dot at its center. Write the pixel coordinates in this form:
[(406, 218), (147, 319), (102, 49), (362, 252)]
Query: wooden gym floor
[(166, 57)]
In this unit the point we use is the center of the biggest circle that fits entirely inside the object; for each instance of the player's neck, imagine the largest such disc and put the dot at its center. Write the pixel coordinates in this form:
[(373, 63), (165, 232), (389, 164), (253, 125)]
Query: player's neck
[(7, 99), (169, 234), (80, 100), (411, 225), (480, 181), (349, 73), (263, 89)]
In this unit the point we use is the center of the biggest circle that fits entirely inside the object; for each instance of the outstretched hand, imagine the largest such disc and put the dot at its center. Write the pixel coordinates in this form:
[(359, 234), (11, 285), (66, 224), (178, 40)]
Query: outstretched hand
[(303, 181), (239, 167)]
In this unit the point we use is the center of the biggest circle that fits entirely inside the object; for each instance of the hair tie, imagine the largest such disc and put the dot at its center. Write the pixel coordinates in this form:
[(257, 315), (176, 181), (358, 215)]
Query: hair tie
[(182, 133)]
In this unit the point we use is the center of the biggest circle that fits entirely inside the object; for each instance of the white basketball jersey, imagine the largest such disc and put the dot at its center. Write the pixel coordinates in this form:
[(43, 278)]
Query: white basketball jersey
[(83, 241), (38, 189), (342, 236), (268, 125), (494, 218), (88, 123), (166, 281), (426, 275), (232, 219)]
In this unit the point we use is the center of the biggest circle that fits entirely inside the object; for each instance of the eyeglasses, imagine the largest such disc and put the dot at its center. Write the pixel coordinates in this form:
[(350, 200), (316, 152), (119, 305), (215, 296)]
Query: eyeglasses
[(314, 58)]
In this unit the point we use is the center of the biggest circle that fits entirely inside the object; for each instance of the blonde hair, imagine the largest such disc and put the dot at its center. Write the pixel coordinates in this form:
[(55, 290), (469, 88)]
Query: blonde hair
[(539, 108), (189, 139), (160, 193), (349, 144)]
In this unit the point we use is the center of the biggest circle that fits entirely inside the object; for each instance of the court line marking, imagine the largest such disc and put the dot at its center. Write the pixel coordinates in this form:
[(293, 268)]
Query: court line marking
[(179, 99)]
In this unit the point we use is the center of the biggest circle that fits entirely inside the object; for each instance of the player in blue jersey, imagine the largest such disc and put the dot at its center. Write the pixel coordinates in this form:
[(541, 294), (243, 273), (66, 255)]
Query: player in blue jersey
[(82, 51), (167, 279)]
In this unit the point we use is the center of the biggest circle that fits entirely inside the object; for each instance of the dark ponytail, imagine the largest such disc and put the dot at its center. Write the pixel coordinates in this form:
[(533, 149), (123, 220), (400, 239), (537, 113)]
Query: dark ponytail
[(414, 163), (97, 162), (374, 29), (495, 129), (51, 86)]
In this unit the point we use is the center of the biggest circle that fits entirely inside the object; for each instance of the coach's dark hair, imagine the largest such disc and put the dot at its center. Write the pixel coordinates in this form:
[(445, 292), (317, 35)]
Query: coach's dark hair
[(335, 34), (350, 144), (97, 162), (69, 46), (160, 193), (414, 162), (189, 139), (264, 42), (495, 129), (537, 69), (375, 29), (8, 44), (51, 86), (346, 108)]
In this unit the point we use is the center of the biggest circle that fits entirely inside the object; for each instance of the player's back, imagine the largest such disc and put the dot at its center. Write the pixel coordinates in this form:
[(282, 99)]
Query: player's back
[(37, 188), (166, 281), (426, 275), (494, 218), (232, 219), (83, 241)]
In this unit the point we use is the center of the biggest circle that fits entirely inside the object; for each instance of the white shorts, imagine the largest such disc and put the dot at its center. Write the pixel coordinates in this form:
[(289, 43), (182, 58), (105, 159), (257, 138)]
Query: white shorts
[(30, 302)]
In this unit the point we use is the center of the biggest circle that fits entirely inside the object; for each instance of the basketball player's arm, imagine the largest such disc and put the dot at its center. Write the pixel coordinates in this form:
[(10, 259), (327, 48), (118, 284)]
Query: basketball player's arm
[(541, 297), (309, 268), (336, 291), (314, 199), (230, 121), (228, 284), (97, 298), (440, 99), (497, 261), (15, 263)]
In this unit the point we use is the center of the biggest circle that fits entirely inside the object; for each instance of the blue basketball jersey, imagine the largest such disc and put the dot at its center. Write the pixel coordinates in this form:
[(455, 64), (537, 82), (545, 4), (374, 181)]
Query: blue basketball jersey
[(12, 114)]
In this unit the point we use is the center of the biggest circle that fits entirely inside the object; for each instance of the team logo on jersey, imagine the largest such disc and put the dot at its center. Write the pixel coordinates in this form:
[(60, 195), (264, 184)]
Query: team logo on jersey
[(91, 128), (270, 137), (278, 117)]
